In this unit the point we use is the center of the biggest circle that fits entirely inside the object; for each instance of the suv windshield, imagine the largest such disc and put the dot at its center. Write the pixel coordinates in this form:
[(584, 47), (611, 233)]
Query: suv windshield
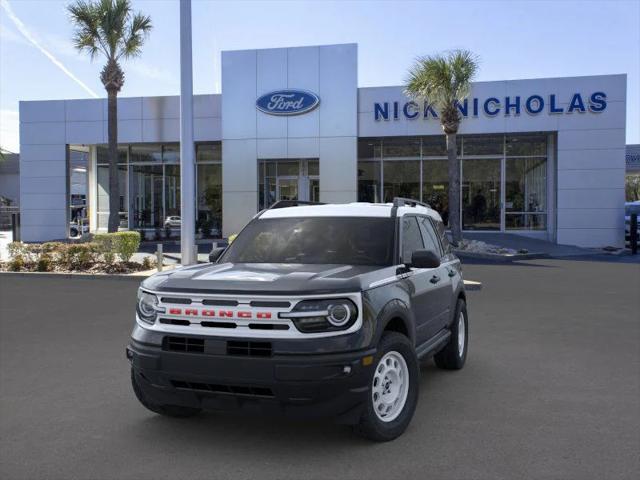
[(339, 240)]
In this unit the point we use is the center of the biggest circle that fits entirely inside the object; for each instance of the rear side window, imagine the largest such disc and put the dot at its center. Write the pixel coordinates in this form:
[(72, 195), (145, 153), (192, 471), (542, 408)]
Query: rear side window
[(411, 238), (429, 236)]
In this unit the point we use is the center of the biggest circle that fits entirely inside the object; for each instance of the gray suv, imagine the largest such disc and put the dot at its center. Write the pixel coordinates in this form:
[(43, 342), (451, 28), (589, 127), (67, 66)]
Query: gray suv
[(313, 311)]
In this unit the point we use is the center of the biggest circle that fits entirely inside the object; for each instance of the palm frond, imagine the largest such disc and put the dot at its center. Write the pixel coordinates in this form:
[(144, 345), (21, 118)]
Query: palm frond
[(139, 29)]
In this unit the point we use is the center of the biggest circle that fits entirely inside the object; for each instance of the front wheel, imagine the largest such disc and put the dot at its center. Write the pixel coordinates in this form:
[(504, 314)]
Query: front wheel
[(393, 390), (454, 354)]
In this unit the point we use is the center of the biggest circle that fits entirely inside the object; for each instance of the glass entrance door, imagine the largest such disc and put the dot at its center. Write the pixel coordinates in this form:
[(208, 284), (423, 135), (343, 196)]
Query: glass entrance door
[(287, 188), (481, 194)]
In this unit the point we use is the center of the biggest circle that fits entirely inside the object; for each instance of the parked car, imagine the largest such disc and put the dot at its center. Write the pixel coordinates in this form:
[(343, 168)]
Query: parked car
[(76, 229), (312, 311), (172, 222), (629, 208)]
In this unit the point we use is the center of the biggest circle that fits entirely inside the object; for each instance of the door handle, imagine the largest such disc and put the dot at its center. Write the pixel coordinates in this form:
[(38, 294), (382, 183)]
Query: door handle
[(452, 273), (435, 279)]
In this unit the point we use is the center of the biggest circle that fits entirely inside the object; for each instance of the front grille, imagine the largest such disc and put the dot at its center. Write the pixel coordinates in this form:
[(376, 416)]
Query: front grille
[(249, 349), (183, 344), (230, 389), (176, 300)]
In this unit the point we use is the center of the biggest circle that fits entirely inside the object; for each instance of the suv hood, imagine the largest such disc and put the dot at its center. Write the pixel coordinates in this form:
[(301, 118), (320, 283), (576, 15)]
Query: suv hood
[(267, 278)]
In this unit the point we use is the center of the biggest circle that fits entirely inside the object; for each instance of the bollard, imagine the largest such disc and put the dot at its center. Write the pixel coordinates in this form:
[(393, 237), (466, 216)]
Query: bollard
[(15, 227), (159, 258), (633, 233)]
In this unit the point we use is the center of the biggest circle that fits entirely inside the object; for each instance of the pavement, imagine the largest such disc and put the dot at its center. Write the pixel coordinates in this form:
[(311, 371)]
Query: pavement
[(551, 390)]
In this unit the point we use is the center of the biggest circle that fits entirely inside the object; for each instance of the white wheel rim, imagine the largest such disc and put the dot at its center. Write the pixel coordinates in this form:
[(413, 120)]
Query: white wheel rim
[(390, 386), (461, 334)]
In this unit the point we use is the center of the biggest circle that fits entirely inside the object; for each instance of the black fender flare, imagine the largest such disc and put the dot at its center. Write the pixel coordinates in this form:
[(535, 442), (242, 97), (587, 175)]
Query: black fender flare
[(395, 309)]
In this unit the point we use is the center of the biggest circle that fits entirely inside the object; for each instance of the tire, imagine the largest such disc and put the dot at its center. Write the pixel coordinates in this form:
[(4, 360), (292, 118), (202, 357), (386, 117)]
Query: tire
[(451, 357), (396, 351), (166, 410)]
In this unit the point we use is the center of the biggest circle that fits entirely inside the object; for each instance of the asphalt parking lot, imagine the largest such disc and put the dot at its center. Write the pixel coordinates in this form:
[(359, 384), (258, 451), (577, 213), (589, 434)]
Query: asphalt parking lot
[(551, 390)]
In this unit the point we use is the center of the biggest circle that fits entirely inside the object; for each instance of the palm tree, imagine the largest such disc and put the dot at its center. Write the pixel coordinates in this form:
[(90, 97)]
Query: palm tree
[(445, 81), (110, 28)]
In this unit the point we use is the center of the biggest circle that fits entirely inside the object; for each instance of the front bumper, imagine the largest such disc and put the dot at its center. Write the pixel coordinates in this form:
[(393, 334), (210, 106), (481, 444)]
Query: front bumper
[(299, 386)]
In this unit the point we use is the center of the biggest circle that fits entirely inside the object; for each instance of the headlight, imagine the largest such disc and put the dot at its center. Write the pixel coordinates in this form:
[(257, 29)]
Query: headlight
[(148, 306), (311, 316)]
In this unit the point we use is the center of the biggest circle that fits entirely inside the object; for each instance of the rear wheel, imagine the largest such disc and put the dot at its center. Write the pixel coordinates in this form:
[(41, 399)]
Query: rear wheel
[(454, 354), (393, 391), (167, 410)]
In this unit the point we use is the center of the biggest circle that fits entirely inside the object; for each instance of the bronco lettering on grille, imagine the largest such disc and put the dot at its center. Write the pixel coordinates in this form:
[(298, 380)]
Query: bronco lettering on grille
[(193, 312)]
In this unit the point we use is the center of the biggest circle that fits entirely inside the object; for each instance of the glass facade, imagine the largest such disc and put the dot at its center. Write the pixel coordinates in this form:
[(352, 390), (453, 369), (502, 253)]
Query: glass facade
[(149, 184), (288, 179), (503, 177)]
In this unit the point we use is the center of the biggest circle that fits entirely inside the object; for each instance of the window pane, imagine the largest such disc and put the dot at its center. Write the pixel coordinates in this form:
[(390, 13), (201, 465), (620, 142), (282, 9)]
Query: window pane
[(146, 192), (102, 152), (206, 152), (313, 167), (402, 147), (429, 236), (369, 148), (209, 196), (526, 144), (435, 146), (171, 153), (288, 169), (369, 182), (481, 194), (526, 185), (411, 238), (146, 153), (172, 190), (483, 144), (526, 221), (401, 179), (435, 186), (444, 240)]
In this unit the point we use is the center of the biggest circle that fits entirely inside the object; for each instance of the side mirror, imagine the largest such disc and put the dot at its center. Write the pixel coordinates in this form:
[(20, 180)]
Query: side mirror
[(215, 254), (425, 259)]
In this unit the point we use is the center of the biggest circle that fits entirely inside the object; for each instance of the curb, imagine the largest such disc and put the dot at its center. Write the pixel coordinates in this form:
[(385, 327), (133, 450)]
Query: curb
[(82, 276), (472, 285), (499, 258)]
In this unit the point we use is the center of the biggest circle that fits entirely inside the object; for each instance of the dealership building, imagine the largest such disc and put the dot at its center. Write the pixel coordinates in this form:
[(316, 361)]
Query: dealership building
[(542, 157)]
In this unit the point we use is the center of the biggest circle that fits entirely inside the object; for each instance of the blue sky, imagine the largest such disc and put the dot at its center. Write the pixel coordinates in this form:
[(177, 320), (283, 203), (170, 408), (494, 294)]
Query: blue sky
[(513, 40)]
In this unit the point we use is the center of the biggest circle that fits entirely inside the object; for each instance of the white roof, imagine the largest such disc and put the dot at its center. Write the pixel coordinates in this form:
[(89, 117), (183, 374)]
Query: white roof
[(356, 209)]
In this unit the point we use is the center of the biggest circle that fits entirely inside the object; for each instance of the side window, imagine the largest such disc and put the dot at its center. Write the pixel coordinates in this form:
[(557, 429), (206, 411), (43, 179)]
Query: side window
[(411, 238), (443, 237), (429, 236)]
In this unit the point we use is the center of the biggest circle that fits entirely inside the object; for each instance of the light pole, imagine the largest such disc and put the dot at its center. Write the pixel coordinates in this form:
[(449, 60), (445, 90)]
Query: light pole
[(187, 168)]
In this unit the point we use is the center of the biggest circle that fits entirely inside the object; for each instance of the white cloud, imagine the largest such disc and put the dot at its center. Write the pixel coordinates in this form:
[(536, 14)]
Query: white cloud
[(22, 28), (9, 130)]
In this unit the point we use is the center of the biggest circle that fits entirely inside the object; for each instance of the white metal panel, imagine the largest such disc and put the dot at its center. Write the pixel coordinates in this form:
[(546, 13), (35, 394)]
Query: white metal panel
[(160, 107), (239, 98), (29, 185), (35, 201), (303, 147), (41, 233), (339, 90), (129, 108), (129, 131), (591, 237), (42, 111), (161, 130), (84, 132), (271, 148), (42, 133), (338, 165), (45, 217), (271, 74), (33, 153), (591, 218), (237, 209), (207, 129), (240, 166), (86, 110), (44, 168), (591, 198), (207, 106), (591, 139), (304, 73), (585, 179), (591, 159)]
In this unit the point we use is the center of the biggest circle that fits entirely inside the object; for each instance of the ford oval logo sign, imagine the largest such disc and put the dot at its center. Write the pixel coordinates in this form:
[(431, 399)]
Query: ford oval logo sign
[(287, 102)]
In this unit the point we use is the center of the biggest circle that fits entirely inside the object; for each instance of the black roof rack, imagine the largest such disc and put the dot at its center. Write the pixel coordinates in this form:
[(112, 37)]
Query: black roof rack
[(408, 202), (292, 203)]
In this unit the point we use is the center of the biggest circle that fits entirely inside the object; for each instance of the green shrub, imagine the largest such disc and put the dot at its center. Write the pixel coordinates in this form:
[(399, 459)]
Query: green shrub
[(16, 249), (78, 256), (148, 263), (106, 246), (16, 263), (126, 244), (44, 263)]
